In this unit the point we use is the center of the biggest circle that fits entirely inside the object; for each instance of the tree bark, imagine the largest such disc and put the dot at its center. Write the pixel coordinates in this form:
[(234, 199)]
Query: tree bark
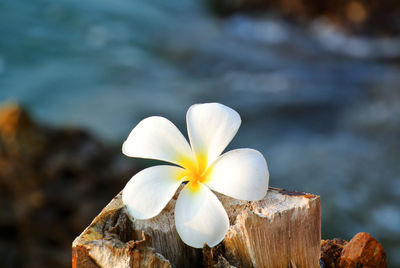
[(282, 230)]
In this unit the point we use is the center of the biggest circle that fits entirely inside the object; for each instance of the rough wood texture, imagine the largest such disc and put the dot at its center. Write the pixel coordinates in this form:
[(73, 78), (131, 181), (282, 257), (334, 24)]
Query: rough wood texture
[(282, 230)]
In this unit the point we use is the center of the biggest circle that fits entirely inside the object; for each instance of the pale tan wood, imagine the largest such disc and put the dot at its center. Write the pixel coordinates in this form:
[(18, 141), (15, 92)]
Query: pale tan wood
[(282, 230)]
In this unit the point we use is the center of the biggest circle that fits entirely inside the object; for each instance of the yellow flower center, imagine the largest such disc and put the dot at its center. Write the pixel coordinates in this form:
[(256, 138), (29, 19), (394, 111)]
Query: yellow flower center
[(196, 172)]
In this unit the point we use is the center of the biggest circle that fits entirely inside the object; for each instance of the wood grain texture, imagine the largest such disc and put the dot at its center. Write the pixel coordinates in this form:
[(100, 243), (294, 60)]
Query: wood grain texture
[(282, 230)]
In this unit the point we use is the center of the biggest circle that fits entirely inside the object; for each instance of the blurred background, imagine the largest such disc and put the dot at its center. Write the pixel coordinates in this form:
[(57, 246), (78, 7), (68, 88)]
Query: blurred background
[(317, 84)]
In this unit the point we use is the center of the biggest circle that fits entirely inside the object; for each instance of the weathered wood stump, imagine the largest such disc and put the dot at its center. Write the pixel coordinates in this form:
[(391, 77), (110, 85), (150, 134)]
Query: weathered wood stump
[(282, 230)]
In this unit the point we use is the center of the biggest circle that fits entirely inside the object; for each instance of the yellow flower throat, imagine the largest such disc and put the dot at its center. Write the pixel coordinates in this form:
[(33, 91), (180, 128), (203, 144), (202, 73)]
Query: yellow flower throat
[(196, 172)]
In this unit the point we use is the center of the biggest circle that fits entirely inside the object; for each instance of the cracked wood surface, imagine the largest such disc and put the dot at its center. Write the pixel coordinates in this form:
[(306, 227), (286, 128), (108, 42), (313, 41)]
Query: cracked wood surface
[(281, 230)]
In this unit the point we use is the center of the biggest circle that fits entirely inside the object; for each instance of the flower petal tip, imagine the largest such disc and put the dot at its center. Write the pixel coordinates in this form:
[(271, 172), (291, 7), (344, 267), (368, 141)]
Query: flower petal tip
[(200, 218)]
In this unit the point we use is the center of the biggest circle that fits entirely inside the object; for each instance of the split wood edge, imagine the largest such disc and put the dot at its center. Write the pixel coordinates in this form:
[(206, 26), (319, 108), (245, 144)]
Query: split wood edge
[(281, 230)]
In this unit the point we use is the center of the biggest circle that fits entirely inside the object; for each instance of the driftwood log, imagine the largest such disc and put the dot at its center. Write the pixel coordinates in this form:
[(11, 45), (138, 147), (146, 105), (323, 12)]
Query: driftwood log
[(282, 230)]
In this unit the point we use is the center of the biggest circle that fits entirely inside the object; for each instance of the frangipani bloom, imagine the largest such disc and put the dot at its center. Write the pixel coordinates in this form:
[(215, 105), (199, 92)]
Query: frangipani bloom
[(199, 215)]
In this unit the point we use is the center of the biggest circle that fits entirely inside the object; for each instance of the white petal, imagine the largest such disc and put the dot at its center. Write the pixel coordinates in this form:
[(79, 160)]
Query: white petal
[(157, 138), (242, 174), (211, 126), (149, 191), (200, 217)]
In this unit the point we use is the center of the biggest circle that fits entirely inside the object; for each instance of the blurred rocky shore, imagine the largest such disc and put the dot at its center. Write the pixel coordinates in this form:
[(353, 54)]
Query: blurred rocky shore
[(363, 17), (52, 183)]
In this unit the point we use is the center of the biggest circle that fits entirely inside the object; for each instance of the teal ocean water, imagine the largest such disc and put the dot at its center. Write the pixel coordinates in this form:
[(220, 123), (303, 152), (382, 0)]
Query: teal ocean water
[(323, 107)]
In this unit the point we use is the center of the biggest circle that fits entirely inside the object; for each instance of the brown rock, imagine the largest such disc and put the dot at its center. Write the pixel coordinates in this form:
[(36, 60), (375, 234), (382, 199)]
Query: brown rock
[(331, 251), (363, 251), (52, 183)]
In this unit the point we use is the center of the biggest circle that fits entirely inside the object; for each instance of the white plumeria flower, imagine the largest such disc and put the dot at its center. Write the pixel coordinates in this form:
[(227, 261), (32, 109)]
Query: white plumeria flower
[(199, 215)]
